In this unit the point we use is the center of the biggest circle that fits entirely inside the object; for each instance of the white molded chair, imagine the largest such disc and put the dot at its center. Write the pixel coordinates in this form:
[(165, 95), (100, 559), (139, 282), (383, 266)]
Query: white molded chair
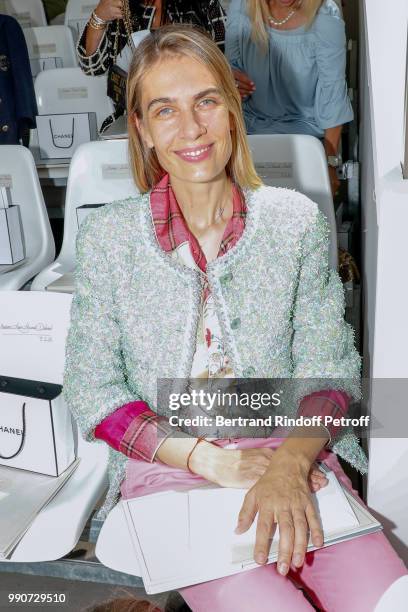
[(58, 527), (77, 14), (395, 598), (17, 165), (69, 90), (50, 42), (114, 547), (98, 173), (29, 13), (299, 162)]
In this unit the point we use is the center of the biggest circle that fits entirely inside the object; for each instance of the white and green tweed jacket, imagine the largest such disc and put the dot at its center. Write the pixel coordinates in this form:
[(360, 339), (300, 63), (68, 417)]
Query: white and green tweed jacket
[(135, 312)]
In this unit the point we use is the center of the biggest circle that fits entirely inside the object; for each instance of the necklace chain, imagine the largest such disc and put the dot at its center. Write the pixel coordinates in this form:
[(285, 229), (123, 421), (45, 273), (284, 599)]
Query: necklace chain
[(280, 22)]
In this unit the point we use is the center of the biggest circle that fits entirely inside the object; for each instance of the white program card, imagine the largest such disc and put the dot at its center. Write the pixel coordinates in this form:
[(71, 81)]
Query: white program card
[(33, 329), (214, 514), (165, 544)]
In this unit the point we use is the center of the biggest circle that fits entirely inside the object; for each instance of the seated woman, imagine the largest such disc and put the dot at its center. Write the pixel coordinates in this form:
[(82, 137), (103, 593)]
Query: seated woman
[(210, 273), (294, 53), (112, 22)]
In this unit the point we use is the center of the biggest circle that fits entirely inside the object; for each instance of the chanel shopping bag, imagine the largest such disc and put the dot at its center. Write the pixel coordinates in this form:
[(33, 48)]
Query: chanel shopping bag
[(12, 245), (60, 135), (36, 428)]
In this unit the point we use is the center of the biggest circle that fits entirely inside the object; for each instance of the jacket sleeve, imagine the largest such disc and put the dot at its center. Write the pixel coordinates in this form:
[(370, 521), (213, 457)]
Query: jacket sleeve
[(332, 103), (213, 21), (233, 34), (24, 100), (103, 57), (323, 352), (94, 379)]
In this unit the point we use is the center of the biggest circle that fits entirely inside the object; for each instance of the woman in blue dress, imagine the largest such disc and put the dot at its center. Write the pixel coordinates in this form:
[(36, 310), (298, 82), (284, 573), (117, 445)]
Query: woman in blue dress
[(289, 60)]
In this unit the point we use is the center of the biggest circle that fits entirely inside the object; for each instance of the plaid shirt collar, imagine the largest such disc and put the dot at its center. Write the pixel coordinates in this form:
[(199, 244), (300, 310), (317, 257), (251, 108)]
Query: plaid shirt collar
[(172, 230)]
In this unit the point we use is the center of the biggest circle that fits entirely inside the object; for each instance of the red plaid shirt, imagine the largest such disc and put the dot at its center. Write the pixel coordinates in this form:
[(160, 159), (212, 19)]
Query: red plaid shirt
[(134, 429)]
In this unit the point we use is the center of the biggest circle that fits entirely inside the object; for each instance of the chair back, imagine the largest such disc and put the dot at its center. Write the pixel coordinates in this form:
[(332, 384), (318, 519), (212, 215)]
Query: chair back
[(50, 47), (18, 171), (99, 173), (298, 162), (77, 13), (29, 13), (69, 90)]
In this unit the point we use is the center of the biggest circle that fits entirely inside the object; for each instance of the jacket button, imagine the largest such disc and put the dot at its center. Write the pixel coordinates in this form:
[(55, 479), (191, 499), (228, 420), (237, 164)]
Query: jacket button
[(4, 128), (226, 278), (235, 323), (248, 372)]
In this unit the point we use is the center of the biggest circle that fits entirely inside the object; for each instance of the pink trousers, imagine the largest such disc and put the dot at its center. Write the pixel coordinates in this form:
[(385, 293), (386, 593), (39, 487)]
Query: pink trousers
[(348, 576)]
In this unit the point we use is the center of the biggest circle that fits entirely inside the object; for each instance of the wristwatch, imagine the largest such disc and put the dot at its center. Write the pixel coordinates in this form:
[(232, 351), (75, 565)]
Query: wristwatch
[(334, 161)]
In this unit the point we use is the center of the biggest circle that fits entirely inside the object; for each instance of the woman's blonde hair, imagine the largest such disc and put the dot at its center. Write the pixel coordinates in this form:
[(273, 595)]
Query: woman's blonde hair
[(184, 40), (259, 15)]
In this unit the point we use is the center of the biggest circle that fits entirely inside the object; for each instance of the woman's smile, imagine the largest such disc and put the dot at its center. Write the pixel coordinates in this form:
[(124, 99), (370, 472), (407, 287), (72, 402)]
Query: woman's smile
[(195, 154)]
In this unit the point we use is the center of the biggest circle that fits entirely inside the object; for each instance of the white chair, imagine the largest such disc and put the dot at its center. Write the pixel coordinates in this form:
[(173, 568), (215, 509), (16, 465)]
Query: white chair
[(29, 13), (18, 169), (98, 173), (298, 162), (57, 528), (69, 90), (395, 598), (117, 552), (77, 14), (50, 47)]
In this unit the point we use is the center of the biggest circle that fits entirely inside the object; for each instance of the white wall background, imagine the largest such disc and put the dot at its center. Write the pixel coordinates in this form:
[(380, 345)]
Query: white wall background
[(384, 31)]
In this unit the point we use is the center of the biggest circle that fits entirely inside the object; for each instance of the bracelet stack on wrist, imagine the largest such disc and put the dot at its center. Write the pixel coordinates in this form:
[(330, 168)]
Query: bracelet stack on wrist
[(96, 22)]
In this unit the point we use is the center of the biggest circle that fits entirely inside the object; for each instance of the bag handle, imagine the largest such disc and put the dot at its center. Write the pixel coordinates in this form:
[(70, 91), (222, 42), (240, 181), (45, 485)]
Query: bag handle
[(20, 448)]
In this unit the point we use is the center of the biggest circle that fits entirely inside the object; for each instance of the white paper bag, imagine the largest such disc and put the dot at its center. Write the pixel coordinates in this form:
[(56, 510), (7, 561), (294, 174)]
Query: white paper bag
[(12, 247), (38, 64), (36, 428), (60, 135)]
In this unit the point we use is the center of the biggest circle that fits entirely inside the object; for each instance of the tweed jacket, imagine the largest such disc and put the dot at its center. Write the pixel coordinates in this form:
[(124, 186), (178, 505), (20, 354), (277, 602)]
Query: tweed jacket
[(135, 312)]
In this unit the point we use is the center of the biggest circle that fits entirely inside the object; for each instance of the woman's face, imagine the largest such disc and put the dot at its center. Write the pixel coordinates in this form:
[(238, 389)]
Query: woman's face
[(186, 120)]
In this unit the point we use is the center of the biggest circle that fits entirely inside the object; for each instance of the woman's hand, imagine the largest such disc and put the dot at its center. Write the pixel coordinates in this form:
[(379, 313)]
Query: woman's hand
[(245, 86), (282, 496), (241, 468), (334, 180), (108, 10)]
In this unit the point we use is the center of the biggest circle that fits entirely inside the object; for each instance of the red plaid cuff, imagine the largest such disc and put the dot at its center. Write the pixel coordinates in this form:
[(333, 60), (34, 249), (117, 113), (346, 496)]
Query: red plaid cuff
[(144, 436), (326, 403)]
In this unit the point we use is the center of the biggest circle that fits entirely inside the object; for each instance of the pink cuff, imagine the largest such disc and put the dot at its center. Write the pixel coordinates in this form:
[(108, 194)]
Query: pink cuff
[(144, 436), (113, 427), (336, 405)]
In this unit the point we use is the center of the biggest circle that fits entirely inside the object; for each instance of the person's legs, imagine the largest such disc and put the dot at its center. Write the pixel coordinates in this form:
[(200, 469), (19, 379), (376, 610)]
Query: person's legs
[(351, 575), (261, 589)]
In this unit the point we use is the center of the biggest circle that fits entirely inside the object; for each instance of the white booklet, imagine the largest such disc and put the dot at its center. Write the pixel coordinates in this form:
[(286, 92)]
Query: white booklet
[(196, 541), (22, 496)]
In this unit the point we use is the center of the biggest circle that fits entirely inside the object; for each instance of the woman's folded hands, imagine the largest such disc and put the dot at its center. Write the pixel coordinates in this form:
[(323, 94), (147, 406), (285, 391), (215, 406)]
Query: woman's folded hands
[(241, 468)]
